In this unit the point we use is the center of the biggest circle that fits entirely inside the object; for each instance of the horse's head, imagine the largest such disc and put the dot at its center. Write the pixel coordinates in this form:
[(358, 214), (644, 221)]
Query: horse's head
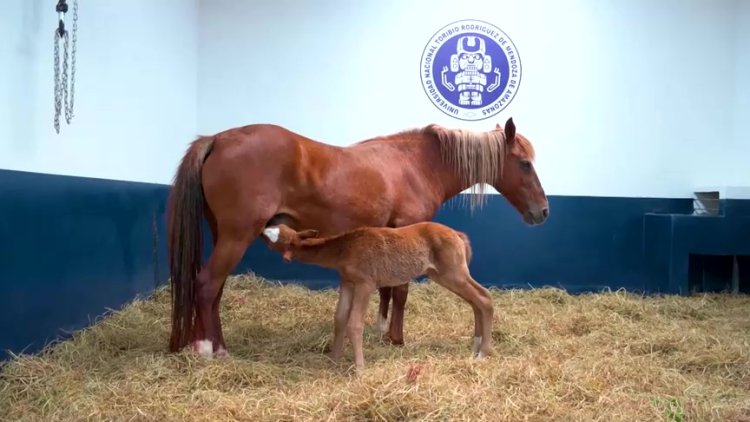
[(518, 181), (282, 238)]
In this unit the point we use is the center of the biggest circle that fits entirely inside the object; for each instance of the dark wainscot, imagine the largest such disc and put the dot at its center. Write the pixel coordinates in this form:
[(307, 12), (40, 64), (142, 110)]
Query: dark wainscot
[(74, 247), (71, 248)]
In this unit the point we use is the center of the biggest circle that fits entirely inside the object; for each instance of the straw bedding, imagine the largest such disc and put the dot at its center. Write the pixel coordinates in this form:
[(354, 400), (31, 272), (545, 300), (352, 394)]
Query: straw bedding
[(609, 356)]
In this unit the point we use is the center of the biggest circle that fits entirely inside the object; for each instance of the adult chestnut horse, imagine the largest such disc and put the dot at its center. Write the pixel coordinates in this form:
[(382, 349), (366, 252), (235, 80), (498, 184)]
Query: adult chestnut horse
[(246, 178)]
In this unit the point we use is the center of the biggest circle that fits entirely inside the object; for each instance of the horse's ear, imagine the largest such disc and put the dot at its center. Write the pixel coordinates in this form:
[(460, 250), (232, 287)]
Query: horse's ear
[(510, 131), (307, 234)]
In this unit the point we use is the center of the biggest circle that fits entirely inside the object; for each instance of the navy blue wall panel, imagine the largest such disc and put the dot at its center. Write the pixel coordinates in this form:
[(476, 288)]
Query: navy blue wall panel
[(672, 238), (588, 243), (69, 248)]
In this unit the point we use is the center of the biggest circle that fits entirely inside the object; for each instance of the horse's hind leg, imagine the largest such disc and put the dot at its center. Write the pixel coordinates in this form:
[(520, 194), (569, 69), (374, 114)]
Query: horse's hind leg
[(230, 246), (220, 348)]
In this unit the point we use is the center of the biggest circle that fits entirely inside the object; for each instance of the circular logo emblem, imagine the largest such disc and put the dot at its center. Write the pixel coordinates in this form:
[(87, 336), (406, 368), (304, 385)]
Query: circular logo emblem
[(470, 70)]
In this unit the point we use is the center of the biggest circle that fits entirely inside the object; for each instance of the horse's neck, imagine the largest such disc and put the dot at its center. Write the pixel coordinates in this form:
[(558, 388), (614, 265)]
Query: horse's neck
[(443, 174), (423, 154)]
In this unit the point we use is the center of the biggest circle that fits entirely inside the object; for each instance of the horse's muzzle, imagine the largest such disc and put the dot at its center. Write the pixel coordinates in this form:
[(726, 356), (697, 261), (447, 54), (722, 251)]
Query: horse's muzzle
[(536, 217)]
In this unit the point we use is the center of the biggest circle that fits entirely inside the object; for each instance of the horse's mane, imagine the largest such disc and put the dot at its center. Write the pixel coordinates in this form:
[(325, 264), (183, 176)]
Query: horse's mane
[(473, 155)]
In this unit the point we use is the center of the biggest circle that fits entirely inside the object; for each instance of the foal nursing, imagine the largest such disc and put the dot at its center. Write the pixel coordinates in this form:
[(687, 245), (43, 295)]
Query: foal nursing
[(371, 257)]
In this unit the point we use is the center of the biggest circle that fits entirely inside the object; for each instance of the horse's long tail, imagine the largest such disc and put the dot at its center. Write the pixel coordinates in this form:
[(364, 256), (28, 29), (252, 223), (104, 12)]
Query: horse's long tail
[(467, 245), (185, 240)]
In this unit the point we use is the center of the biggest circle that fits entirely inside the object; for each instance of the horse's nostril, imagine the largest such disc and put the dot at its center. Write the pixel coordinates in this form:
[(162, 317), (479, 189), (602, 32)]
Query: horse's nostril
[(545, 212)]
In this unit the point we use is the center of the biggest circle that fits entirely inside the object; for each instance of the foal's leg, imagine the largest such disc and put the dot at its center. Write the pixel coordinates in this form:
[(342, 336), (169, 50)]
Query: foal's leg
[(355, 328), (460, 283), (487, 314), (344, 305), (477, 329)]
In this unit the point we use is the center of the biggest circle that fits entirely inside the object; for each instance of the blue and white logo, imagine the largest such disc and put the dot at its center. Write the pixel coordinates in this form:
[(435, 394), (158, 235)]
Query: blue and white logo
[(470, 70)]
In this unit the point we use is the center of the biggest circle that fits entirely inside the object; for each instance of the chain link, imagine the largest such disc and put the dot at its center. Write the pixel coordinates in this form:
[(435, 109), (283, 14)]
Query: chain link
[(69, 110), (61, 81), (58, 98)]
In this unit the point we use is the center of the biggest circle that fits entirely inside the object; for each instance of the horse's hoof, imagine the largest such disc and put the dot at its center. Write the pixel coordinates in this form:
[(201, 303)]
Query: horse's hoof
[(221, 353), (204, 348), (394, 341)]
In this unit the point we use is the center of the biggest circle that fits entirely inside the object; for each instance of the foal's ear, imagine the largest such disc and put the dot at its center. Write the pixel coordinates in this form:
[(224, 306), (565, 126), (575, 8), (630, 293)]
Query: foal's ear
[(510, 131), (307, 234)]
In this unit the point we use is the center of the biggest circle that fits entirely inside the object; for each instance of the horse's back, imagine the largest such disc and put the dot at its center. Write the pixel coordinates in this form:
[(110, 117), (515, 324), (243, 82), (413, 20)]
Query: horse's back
[(249, 167), (262, 139)]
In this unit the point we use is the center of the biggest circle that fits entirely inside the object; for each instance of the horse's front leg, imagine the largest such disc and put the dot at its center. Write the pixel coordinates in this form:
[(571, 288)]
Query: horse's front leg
[(385, 301), (396, 329)]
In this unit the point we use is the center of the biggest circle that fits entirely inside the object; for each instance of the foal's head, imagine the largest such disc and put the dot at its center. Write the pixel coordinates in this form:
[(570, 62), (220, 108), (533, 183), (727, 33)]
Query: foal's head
[(281, 238), (518, 181)]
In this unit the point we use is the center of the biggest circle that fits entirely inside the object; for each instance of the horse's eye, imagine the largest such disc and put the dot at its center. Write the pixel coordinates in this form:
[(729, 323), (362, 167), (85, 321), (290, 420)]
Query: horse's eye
[(526, 164)]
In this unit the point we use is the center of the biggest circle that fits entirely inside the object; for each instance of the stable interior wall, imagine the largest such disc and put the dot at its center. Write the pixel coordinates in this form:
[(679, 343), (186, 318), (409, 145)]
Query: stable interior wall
[(740, 175), (74, 242), (625, 99), (135, 89), (629, 104)]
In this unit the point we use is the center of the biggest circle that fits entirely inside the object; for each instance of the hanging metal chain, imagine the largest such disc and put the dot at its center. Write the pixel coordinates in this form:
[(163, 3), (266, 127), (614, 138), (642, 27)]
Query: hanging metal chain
[(62, 94)]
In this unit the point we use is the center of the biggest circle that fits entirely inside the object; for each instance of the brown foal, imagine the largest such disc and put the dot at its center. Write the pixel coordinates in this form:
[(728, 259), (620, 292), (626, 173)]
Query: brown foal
[(369, 258)]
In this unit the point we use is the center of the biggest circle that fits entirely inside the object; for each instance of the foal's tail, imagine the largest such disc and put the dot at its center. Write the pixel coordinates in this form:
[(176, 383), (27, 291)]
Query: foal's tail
[(467, 245), (185, 240)]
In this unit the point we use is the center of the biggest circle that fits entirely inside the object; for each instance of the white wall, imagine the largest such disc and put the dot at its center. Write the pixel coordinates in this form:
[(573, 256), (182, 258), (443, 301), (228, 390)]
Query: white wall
[(135, 99), (740, 172), (633, 98), (621, 98)]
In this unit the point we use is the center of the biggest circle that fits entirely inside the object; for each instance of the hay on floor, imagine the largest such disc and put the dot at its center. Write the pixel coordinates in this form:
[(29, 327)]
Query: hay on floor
[(609, 357)]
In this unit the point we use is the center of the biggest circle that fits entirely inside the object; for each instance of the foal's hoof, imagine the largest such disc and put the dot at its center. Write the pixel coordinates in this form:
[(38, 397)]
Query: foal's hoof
[(357, 371)]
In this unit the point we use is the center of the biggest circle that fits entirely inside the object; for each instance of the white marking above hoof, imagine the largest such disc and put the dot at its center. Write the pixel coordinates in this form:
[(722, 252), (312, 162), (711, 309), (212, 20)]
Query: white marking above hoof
[(382, 324), (477, 343), (205, 348), (272, 233)]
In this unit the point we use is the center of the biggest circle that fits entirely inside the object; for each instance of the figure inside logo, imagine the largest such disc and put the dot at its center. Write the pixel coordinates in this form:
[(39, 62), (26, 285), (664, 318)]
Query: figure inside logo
[(473, 64)]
